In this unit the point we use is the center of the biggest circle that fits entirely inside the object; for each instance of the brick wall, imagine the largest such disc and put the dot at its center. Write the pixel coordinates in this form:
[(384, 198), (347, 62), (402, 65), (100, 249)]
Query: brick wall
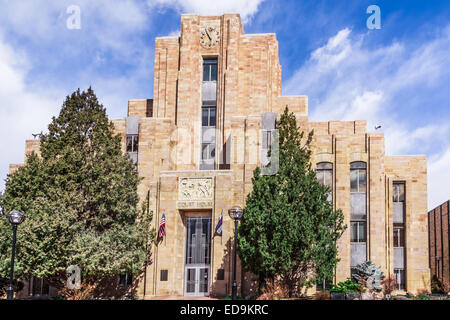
[(439, 243)]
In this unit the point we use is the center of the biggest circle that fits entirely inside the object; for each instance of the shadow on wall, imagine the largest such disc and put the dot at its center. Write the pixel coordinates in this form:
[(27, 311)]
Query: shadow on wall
[(223, 278)]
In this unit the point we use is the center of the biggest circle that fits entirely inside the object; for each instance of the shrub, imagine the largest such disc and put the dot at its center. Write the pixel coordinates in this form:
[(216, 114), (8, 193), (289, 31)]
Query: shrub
[(437, 286), (368, 275), (389, 284), (86, 292), (273, 290), (347, 286), (322, 295), (4, 284), (422, 292)]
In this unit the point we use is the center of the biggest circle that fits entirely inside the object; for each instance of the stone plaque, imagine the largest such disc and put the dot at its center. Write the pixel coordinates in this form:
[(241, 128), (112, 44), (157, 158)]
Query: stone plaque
[(195, 193)]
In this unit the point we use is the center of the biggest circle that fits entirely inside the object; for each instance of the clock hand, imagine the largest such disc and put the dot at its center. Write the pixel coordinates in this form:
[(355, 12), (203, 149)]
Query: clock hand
[(209, 36)]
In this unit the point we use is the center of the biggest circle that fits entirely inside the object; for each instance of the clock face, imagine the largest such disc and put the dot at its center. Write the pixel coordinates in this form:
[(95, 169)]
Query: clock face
[(209, 37)]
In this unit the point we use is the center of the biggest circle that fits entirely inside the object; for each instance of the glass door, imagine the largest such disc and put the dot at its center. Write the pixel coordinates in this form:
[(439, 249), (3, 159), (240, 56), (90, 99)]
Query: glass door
[(198, 247), (196, 280)]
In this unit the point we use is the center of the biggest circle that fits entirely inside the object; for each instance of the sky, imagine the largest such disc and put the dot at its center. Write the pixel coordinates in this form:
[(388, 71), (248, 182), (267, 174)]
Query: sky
[(397, 76)]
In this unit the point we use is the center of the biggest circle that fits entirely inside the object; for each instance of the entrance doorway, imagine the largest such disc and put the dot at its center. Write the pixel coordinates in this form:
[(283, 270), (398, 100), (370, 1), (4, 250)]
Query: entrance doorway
[(197, 271)]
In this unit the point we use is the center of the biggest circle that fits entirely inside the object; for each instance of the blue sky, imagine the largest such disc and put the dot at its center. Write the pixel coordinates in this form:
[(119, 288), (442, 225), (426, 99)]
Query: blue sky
[(397, 76)]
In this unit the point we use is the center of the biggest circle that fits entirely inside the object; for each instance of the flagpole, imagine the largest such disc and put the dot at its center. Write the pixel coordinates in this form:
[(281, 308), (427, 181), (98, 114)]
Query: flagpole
[(221, 236), (213, 244), (157, 205)]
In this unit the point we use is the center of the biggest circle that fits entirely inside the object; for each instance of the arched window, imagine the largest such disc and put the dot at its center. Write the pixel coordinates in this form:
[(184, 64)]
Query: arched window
[(358, 187), (358, 165), (324, 172)]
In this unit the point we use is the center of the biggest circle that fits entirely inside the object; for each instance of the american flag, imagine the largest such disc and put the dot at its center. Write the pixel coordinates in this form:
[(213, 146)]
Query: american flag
[(219, 224), (162, 226)]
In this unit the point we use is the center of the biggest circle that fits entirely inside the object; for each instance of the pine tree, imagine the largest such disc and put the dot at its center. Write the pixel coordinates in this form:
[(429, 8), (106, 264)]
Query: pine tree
[(80, 201), (289, 229)]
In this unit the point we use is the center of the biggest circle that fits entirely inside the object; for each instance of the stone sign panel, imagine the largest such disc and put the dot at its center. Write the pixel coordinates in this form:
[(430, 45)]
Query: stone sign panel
[(195, 193)]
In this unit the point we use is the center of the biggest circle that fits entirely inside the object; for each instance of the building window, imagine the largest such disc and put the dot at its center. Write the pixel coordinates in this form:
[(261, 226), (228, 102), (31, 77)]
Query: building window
[(324, 172), (399, 237), (399, 234), (358, 231), (358, 213), (38, 287), (209, 116), (210, 70), (208, 151), (358, 179), (133, 147), (399, 192), (164, 275), (125, 279), (198, 240), (221, 274), (266, 145), (399, 275), (358, 187), (266, 139), (132, 143)]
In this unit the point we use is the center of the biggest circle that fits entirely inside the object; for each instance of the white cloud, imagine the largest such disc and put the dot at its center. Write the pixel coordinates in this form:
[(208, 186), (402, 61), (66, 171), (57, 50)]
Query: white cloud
[(438, 178), (390, 85), (401, 139), (22, 111), (41, 61), (175, 33), (106, 24), (337, 49), (246, 8)]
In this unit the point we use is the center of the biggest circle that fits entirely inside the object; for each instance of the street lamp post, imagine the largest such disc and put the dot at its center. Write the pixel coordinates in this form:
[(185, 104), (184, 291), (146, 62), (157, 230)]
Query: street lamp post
[(236, 214), (15, 218)]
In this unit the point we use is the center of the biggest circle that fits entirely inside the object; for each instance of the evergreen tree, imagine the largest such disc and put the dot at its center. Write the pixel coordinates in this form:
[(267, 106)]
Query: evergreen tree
[(80, 201), (289, 229)]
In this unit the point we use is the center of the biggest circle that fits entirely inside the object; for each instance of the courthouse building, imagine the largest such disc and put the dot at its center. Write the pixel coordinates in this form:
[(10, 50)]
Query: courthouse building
[(217, 94)]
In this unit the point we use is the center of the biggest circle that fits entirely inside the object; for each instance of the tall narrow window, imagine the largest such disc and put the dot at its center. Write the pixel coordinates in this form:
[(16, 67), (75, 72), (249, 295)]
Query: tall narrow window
[(133, 147), (324, 172), (132, 143), (358, 214), (209, 117), (209, 109), (358, 231), (210, 70), (269, 136), (399, 234)]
